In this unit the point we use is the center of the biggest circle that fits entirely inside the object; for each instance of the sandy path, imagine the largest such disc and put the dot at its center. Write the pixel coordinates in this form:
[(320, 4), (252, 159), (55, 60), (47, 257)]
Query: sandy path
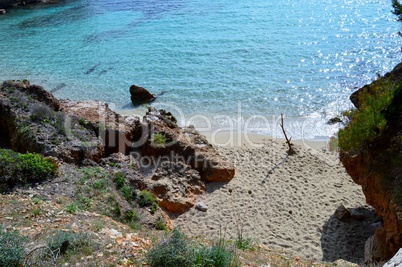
[(284, 203)]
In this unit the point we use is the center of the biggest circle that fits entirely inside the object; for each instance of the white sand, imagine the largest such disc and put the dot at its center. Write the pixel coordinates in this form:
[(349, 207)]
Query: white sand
[(282, 202)]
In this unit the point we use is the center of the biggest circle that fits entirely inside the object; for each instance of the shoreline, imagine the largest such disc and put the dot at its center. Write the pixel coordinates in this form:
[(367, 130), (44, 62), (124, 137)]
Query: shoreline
[(253, 140), (238, 135)]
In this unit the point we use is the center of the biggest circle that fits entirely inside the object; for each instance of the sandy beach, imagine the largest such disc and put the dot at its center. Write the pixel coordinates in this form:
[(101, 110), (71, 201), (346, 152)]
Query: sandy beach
[(284, 202)]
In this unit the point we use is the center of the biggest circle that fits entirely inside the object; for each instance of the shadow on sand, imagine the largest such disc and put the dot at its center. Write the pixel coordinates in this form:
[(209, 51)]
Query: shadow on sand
[(346, 239)]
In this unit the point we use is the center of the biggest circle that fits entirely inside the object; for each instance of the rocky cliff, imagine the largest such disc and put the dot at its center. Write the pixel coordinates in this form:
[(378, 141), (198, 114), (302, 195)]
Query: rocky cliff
[(171, 162), (376, 165), (11, 3)]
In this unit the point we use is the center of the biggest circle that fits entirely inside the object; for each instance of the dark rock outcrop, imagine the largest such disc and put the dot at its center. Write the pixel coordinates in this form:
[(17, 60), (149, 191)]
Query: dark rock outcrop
[(11, 3), (140, 95), (7, 3), (377, 167)]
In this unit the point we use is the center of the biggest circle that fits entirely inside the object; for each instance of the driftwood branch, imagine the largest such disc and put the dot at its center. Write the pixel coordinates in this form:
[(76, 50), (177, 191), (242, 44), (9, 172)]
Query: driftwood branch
[(290, 150)]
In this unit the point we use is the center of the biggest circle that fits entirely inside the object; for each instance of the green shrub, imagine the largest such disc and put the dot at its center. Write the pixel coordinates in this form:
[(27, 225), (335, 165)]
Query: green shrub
[(84, 203), (93, 172), (147, 199), (132, 216), (11, 248), (369, 120), (68, 242), (243, 243), (176, 249), (23, 168), (128, 193), (37, 166), (37, 200), (217, 255), (100, 184), (133, 219), (173, 251), (158, 140), (160, 225), (37, 212), (72, 207), (119, 179)]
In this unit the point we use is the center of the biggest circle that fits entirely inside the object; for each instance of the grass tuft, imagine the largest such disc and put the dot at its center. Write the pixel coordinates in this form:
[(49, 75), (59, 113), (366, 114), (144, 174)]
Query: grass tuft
[(158, 140), (147, 199), (176, 250)]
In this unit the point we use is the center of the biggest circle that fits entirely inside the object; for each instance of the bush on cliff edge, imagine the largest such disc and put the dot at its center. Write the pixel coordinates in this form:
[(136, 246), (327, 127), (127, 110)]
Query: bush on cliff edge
[(368, 121)]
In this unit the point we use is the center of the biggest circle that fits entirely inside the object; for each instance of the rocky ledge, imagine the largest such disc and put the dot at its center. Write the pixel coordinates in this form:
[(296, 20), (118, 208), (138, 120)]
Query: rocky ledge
[(171, 162), (377, 166), (11, 3)]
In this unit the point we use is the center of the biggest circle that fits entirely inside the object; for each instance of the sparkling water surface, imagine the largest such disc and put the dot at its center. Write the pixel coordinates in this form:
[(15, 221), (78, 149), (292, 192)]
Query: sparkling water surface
[(228, 63)]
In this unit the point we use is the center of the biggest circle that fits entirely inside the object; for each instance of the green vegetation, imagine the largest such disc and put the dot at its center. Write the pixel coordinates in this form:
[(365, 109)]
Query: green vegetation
[(93, 172), (41, 113), (84, 203), (333, 143), (243, 243), (125, 190), (160, 225), (22, 168), (158, 140), (132, 215), (133, 219), (147, 199), (100, 191), (368, 121), (176, 250), (217, 255), (37, 200), (72, 207), (119, 179), (100, 184), (64, 246), (77, 242), (11, 248), (37, 212), (397, 9), (128, 193)]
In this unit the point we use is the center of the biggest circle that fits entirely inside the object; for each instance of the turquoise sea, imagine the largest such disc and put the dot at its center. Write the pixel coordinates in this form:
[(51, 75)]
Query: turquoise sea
[(219, 64)]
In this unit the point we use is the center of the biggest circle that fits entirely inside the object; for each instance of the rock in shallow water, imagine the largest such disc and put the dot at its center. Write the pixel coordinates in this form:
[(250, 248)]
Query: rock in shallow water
[(140, 95)]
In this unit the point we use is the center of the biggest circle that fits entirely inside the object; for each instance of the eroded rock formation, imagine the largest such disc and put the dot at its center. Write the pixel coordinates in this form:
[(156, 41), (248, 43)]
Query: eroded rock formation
[(377, 167), (175, 168), (177, 185), (31, 121), (186, 145)]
